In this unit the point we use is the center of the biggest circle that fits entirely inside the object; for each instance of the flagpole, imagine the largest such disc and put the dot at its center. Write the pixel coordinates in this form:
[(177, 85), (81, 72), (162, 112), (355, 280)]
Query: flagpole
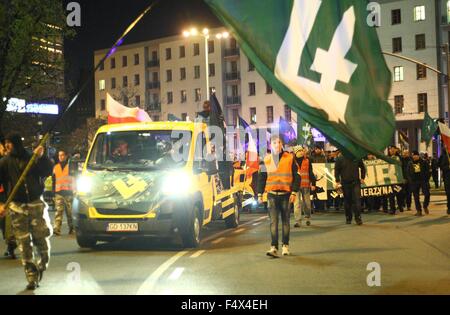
[(47, 134)]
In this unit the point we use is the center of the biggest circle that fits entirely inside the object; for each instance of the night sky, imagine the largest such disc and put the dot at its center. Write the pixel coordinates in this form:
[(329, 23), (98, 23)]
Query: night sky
[(103, 21)]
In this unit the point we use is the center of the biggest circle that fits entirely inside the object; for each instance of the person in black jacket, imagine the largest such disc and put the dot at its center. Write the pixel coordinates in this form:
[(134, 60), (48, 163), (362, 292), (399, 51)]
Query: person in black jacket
[(418, 175), (347, 173), (444, 164), (30, 220), (406, 193), (435, 171)]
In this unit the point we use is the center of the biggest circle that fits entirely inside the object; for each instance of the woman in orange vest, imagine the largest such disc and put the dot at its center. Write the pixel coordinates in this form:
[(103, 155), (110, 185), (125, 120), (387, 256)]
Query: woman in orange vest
[(307, 184), (278, 178)]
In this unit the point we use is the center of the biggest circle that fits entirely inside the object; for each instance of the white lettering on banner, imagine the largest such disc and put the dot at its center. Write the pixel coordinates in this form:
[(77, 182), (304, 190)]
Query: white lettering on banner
[(332, 64), (385, 173), (371, 178)]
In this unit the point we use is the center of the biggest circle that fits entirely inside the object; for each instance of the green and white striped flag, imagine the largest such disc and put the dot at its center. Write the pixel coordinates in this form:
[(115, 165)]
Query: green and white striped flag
[(324, 60)]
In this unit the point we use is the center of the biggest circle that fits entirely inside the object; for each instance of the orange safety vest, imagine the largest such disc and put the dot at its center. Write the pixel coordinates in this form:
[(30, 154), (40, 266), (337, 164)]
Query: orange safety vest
[(304, 174), (279, 178), (62, 179)]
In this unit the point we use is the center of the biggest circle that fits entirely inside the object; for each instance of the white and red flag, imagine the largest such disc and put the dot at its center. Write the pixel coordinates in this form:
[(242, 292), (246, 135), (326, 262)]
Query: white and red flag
[(445, 135), (119, 114)]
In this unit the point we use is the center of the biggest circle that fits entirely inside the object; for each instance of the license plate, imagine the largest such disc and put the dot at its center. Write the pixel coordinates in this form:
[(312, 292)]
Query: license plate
[(122, 227)]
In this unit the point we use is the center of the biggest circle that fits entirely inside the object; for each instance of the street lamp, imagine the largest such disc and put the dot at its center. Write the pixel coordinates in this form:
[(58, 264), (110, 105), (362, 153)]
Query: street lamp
[(193, 32)]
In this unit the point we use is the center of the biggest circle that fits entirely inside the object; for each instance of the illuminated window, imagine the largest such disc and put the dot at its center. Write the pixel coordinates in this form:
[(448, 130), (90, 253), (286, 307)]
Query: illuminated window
[(196, 72), (419, 13), (398, 74), (252, 115), (101, 85), (448, 12)]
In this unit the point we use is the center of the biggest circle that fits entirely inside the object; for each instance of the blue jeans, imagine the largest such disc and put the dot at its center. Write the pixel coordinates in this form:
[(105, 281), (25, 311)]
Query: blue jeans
[(279, 204)]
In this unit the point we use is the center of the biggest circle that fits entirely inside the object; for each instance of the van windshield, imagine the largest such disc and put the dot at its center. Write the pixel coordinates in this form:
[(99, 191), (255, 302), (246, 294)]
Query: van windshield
[(140, 150)]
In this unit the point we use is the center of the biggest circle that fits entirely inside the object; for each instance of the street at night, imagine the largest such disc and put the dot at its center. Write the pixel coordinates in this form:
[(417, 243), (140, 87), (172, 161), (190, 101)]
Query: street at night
[(327, 257)]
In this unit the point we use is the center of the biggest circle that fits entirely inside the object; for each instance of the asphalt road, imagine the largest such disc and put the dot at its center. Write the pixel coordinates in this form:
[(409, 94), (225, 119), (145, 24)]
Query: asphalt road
[(329, 257)]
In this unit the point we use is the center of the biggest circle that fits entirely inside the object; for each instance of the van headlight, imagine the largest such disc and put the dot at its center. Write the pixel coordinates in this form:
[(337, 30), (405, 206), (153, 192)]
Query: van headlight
[(176, 183), (84, 184)]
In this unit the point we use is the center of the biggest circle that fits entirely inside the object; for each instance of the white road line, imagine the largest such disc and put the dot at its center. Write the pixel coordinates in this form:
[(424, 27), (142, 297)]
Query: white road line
[(197, 253), (218, 240), (238, 231), (207, 239), (257, 223), (176, 274), (147, 286)]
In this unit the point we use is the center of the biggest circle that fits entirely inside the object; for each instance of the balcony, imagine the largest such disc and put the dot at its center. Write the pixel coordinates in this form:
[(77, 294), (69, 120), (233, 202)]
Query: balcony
[(232, 76), (153, 85), (232, 100), (153, 63), (154, 107), (232, 52)]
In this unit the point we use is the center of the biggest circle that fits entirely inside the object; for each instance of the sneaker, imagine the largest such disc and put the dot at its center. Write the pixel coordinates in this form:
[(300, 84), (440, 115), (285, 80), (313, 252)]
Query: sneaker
[(57, 232), (418, 214), (426, 210), (272, 252), (348, 222), (308, 223), (359, 222), (409, 209), (71, 231), (285, 250), (297, 225), (32, 285)]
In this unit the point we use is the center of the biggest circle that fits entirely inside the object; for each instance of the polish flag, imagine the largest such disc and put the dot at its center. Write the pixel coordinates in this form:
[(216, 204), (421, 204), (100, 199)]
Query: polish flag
[(119, 114), (445, 135)]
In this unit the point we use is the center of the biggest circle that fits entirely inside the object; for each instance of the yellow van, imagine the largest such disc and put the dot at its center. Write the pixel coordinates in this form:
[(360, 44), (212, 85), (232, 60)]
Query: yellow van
[(152, 179)]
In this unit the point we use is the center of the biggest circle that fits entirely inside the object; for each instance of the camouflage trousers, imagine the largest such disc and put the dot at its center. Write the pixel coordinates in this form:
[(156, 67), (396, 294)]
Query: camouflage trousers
[(32, 229), (63, 204), (8, 233)]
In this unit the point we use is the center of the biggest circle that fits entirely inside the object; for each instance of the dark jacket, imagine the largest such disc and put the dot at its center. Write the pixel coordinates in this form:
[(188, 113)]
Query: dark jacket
[(444, 162), (418, 171), (262, 176), (11, 168), (346, 171), (405, 165), (312, 178), (318, 158)]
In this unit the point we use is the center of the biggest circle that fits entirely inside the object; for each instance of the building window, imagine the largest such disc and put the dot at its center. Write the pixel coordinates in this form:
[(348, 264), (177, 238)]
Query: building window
[(251, 89), (113, 63), (396, 16), (212, 70), (196, 49), (269, 114), (196, 72), (235, 114), (234, 90), (252, 115), (397, 45), (113, 83), (125, 81), (183, 96), (251, 66), (420, 41), (233, 43), (102, 66), (287, 113), (125, 100), (169, 97), (101, 85), (269, 89), (155, 77), (198, 95), (169, 75), (137, 80), (154, 55), (183, 116), (124, 61), (182, 52), (137, 100), (419, 13), (210, 47), (421, 72), (398, 74), (182, 73), (168, 53), (155, 118), (399, 102), (136, 59), (422, 100), (102, 105)]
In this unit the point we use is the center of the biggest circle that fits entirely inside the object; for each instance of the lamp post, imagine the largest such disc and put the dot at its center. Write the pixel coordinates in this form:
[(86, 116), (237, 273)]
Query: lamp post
[(193, 32)]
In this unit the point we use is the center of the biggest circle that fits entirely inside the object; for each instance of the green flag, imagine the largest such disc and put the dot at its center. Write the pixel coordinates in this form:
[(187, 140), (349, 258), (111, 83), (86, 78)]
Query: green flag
[(322, 59), (429, 127)]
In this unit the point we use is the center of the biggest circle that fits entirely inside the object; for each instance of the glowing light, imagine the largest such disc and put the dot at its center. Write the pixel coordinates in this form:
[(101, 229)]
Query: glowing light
[(205, 31), (194, 31)]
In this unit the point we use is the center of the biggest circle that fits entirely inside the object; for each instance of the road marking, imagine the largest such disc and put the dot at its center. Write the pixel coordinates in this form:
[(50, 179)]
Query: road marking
[(257, 223), (197, 253), (207, 239), (238, 231), (176, 274), (147, 286), (218, 240)]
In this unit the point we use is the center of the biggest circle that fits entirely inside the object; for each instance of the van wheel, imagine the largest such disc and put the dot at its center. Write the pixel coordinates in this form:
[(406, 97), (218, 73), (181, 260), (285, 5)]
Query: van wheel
[(191, 228), (86, 241), (232, 221)]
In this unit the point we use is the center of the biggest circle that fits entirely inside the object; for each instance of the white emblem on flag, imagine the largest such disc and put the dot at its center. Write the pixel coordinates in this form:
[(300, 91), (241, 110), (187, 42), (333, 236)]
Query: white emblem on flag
[(332, 64)]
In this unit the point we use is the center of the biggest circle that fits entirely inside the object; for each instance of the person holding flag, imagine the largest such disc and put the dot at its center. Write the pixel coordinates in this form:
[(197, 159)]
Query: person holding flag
[(278, 177), (418, 175), (444, 161)]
